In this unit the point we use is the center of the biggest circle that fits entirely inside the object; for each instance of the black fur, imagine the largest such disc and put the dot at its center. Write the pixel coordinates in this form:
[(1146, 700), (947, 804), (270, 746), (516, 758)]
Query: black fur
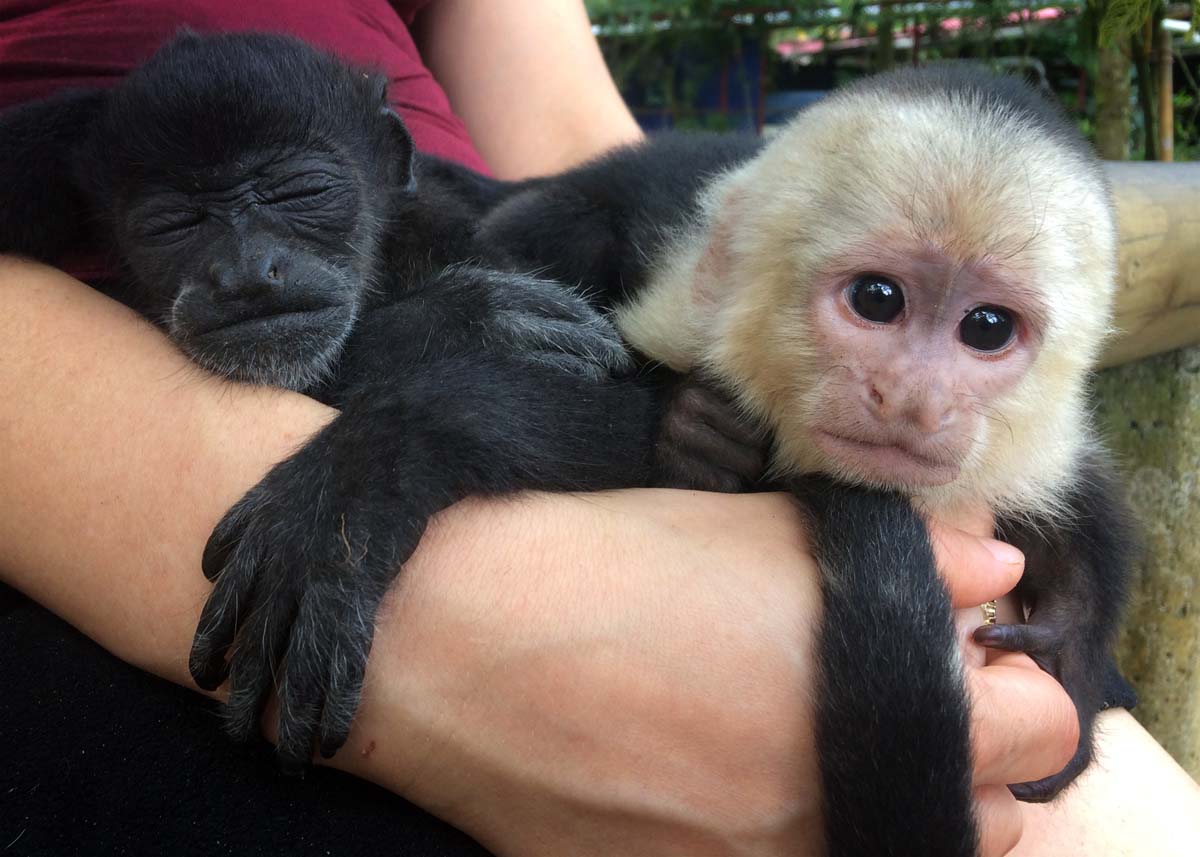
[(892, 729), (41, 214), (892, 721), (620, 210), (264, 203)]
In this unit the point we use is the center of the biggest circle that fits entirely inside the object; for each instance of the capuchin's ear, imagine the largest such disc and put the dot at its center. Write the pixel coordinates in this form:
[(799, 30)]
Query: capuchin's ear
[(404, 148), (43, 209), (713, 279)]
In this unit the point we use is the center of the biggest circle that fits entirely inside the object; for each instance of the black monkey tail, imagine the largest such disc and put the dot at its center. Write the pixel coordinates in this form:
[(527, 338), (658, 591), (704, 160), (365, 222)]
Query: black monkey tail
[(892, 717)]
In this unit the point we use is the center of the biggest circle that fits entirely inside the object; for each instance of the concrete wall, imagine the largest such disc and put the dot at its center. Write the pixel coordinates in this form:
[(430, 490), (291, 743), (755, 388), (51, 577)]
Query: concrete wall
[(1150, 413)]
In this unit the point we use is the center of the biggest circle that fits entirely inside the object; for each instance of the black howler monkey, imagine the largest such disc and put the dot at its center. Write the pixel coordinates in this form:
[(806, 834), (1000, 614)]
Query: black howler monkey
[(260, 198)]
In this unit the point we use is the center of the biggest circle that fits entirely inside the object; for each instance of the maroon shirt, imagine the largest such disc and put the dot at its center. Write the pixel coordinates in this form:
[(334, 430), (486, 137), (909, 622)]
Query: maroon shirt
[(46, 45)]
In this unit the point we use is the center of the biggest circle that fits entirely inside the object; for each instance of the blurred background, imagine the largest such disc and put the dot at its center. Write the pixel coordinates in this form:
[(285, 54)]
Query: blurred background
[(1127, 70)]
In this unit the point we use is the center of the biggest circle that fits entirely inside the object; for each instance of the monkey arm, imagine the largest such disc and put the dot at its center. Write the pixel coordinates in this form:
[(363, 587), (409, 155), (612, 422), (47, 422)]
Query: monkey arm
[(478, 384)]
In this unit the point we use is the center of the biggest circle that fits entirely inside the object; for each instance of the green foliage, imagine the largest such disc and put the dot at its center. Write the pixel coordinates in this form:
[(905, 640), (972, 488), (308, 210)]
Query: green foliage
[(1123, 18), (660, 51), (1187, 129)]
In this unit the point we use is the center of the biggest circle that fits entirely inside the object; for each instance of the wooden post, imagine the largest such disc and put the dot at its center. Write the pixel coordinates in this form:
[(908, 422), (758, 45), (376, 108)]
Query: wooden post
[(1113, 92), (1166, 95), (1158, 302)]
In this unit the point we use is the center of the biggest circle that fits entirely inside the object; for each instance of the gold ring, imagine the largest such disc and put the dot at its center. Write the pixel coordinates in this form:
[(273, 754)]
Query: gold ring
[(989, 612)]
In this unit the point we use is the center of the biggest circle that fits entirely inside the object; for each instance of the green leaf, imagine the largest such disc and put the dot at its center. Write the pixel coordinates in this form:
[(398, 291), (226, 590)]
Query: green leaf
[(1125, 17)]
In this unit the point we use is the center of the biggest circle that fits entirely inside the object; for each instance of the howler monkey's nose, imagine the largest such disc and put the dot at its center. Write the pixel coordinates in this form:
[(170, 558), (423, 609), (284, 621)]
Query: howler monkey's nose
[(251, 279)]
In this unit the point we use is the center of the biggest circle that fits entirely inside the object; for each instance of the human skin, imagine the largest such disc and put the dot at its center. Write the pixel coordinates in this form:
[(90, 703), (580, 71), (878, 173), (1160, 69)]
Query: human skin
[(617, 673), (483, 52)]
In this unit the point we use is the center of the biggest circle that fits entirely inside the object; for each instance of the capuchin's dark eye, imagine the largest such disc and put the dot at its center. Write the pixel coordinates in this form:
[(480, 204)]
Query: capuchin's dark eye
[(876, 298), (987, 328)]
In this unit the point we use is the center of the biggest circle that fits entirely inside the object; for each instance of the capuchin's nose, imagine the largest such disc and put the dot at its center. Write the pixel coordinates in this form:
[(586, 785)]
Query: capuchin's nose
[(926, 406)]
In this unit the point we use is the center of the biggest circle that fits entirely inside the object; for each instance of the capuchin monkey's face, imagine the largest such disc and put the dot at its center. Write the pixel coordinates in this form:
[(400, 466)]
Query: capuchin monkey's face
[(909, 292), (918, 347)]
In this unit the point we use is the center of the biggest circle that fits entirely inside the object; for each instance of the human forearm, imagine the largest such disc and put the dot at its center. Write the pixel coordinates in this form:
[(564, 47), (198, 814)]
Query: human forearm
[(1134, 800), (121, 480), (528, 79), (120, 457)]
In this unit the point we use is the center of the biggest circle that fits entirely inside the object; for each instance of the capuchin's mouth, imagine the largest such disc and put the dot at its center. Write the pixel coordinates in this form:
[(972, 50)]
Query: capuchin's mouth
[(892, 465)]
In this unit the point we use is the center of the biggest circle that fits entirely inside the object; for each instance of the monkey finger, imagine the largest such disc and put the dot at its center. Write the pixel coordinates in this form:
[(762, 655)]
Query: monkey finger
[(301, 697), (702, 402), (228, 604), (536, 296), (342, 696), (1020, 637), (676, 469), (974, 569), (1024, 725), (225, 538), (596, 341), (572, 365), (324, 666), (259, 651), (701, 441), (1000, 820)]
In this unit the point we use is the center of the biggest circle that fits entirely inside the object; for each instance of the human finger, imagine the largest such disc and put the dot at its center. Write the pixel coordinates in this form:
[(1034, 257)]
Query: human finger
[(1024, 725), (1000, 820), (975, 569)]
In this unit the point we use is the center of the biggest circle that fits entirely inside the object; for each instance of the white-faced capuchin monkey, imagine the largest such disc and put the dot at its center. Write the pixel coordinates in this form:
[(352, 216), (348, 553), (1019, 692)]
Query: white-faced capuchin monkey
[(906, 288)]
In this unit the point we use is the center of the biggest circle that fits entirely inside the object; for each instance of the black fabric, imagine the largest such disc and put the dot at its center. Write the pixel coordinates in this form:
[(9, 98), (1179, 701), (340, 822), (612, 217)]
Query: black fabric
[(98, 758)]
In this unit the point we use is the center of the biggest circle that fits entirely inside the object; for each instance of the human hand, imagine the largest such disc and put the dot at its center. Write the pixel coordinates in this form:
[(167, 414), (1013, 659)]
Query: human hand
[(1022, 719), (631, 673)]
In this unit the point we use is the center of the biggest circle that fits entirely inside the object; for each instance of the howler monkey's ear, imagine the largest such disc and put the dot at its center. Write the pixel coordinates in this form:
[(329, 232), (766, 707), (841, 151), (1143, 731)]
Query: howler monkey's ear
[(43, 210), (400, 163), (406, 176)]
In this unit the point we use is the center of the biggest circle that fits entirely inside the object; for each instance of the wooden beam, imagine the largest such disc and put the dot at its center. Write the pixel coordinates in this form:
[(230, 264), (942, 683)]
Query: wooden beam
[(1158, 298), (1166, 95)]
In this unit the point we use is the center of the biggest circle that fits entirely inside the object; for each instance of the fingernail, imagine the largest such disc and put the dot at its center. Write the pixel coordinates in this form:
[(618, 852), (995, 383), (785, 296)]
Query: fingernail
[(1004, 552)]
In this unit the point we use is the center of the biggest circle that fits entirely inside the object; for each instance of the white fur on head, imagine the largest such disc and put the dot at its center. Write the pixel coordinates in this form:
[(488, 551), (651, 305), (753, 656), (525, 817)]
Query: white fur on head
[(972, 177)]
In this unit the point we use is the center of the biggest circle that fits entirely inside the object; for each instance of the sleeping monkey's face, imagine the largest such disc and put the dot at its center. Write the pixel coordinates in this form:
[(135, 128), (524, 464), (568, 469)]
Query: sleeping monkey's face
[(248, 186), (256, 267)]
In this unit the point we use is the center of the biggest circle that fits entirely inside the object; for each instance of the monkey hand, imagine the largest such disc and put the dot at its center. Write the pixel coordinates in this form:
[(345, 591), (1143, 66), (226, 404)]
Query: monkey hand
[(1056, 644), (705, 443), (300, 564), (470, 309)]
